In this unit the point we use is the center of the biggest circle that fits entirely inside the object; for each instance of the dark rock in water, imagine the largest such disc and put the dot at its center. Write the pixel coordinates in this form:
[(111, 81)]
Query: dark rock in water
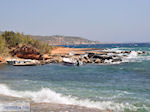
[(117, 60), (126, 52), (113, 52), (84, 60), (97, 56), (144, 52), (90, 55), (141, 52), (102, 57), (89, 60)]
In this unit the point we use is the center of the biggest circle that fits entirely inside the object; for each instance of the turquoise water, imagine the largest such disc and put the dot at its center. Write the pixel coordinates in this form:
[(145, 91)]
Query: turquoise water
[(121, 87)]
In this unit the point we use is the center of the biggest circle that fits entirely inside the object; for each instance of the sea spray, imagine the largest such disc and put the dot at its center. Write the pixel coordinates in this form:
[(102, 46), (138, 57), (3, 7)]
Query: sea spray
[(49, 96)]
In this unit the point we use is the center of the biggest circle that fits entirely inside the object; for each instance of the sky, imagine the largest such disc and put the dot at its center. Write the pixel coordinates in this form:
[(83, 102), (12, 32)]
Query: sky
[(102, 20)]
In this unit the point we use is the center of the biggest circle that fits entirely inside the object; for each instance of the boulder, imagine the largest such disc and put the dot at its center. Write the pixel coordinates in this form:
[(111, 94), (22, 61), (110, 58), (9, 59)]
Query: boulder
[(98, 61), (46, 56), (117, 60), (141, 52), (125, 52), (89, 61), (90, 55), (26, 52), (56, 59), (1, 59), (102, 57), (84, 60)]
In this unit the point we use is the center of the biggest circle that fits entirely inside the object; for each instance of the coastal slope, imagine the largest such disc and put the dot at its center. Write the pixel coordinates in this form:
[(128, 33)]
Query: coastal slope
[(64, 40)]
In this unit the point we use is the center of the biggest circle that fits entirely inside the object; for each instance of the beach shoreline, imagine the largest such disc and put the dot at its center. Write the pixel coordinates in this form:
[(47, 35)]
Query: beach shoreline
[(75, 56), (48, 107)]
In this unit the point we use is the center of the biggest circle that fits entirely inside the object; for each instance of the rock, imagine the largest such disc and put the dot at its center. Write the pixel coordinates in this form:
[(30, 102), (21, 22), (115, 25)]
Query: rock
[(89, 61), (141, 52), (117, 60), (42, 62), (26, 52), (56, 59), (60, 59), (144, 52), (102, 57), (97, 56), (1, 59), (46, 56), (84, 60), (98, 61), (125, 52), (90, 55)]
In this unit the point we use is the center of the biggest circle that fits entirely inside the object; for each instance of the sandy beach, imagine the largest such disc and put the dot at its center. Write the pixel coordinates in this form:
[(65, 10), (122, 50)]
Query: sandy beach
[(65, 50)]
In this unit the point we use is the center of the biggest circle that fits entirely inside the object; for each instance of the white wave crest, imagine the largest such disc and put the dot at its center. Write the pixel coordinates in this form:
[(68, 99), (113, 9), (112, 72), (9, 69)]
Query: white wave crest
[(117, 50), (133, 54), (49, 96), (134, 57)]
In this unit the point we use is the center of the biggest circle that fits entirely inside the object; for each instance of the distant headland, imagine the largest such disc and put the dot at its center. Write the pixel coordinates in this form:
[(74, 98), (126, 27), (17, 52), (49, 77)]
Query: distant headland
[(64, 40)]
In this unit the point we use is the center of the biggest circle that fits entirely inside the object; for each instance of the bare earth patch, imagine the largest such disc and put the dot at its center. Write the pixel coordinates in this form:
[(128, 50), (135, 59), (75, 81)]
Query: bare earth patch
[(65, 50)]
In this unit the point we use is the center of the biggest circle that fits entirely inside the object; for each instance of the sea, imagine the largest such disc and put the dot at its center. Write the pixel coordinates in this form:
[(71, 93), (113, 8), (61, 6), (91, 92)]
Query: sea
[(121, 87)]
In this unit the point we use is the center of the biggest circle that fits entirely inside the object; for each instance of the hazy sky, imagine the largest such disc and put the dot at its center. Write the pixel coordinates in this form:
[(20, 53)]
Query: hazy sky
[(103, 20)]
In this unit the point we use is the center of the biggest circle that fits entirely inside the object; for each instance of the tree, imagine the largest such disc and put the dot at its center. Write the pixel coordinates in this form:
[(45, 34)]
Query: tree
[(2, 45)]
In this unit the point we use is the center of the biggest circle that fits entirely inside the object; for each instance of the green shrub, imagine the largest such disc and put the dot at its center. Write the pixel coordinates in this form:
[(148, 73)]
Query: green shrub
[(11, 39), (3, 48)]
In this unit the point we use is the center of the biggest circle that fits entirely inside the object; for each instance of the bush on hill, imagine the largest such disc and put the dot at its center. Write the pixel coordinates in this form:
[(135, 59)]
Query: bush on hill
[(3, 47), (10, 39)]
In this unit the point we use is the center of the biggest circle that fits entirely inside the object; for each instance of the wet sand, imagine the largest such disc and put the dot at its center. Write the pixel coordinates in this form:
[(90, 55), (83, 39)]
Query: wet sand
[(49, 107)]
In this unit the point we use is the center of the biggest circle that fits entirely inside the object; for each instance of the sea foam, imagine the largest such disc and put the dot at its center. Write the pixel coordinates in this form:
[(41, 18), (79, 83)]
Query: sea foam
[(133, 56), (50, 96)]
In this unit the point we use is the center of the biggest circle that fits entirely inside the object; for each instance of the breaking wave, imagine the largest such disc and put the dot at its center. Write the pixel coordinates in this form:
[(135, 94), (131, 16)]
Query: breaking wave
[(133, 56), (49, 96)]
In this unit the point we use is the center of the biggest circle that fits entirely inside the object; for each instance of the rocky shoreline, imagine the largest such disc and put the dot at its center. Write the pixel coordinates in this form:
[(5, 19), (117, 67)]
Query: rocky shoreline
[(84, 55)]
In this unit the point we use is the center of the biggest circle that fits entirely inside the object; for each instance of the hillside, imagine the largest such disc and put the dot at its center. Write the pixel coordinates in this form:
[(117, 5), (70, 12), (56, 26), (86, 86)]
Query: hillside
[(64, 40), (10, 40)]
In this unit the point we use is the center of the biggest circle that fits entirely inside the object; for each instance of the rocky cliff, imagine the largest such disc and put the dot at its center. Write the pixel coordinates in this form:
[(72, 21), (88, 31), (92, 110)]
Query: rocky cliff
[(26, 52), (64, 40)]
